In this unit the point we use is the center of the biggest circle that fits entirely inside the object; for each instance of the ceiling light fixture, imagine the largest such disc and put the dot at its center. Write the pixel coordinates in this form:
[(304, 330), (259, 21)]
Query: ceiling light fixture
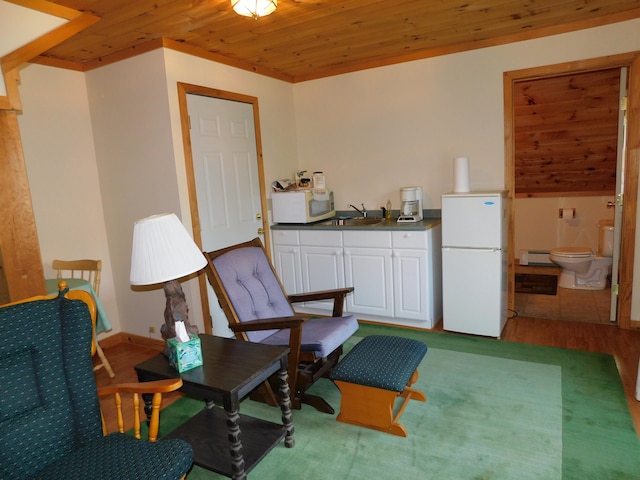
[(254, 8)]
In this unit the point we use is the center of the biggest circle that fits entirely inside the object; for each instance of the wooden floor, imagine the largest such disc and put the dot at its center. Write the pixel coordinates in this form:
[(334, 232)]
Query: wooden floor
[(624, 345), (122, 358)]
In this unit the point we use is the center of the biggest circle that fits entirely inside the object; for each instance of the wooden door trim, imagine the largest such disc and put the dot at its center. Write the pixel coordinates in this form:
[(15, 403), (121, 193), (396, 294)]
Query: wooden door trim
[(632, 162), (183, 90)]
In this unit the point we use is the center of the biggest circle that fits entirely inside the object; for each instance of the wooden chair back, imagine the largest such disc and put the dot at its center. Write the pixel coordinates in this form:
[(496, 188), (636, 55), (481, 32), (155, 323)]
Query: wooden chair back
[(88, 270), (73, 295)]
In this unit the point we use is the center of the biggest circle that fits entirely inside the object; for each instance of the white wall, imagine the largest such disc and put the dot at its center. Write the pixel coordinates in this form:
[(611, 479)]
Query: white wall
[(371, 132), (275, 102), (59, 153), (538, 226), (134, 112), (21, 25), (375, 131), (134, 163), (277, 125), (134, 153)]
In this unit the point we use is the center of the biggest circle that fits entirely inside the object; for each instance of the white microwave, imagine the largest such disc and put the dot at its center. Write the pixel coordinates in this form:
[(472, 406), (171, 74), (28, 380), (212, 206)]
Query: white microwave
[(302, 206)]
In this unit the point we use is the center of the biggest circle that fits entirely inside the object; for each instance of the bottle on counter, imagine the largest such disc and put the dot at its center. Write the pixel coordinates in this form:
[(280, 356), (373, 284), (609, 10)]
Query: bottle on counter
[(318, 181), (388, 212)]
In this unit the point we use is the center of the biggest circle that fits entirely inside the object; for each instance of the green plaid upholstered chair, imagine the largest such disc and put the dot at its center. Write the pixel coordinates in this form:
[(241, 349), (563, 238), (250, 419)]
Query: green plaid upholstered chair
[(50, 421)]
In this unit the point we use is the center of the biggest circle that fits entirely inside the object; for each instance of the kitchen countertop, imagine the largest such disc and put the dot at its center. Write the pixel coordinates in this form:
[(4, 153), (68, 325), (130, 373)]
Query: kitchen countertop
[(432, 219)]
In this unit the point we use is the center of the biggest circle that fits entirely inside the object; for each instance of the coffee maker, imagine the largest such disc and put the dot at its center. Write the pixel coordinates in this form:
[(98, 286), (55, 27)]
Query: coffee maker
[(410, 204)]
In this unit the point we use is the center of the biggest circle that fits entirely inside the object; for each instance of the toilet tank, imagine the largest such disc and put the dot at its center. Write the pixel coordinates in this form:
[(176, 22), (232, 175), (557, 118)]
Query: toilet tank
[(605, 238)]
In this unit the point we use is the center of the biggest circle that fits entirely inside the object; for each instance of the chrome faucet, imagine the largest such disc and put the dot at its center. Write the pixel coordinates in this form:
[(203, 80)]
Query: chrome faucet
[(362, 212)]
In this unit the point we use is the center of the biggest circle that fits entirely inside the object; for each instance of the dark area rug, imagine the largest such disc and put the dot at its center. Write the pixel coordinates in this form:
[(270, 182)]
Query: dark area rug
[(536, 284)]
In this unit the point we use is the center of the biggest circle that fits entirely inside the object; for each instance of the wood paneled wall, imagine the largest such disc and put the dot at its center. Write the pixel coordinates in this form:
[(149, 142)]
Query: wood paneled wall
[(566, 134), (22, 272)]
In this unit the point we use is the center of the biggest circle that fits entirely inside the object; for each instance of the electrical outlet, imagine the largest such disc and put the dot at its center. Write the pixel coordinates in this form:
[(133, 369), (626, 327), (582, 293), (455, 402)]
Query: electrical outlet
[(152, 330)]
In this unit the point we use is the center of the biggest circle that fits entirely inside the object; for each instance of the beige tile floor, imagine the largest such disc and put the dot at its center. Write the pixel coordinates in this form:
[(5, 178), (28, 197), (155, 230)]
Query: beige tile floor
[(573, 305), (591, 306)]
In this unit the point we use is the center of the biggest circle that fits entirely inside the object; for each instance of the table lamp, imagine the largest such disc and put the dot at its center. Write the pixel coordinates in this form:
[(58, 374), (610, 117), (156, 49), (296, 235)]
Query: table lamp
[(163, 251)]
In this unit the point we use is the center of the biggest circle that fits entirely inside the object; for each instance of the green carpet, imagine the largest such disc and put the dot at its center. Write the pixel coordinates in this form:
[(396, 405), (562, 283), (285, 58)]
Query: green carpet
[(495, 410)]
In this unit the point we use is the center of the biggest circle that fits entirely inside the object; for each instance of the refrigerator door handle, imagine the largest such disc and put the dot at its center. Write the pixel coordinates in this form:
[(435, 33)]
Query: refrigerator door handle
[(474, 250)]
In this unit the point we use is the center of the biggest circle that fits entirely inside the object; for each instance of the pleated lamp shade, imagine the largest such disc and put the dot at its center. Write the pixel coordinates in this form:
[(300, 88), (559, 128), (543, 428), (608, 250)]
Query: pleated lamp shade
[(162, 251)]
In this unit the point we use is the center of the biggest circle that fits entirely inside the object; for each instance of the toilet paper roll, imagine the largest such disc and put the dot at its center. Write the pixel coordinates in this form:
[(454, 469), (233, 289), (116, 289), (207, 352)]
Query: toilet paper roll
[(567, 213), (461, 174)]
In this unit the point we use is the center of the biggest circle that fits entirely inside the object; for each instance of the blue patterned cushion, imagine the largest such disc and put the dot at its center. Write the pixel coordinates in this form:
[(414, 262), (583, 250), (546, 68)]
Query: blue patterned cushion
[(121, 457), (381, 361), (19, 385), (255, 293), (252, 287), (319, 335), (42, 435), (64, 433)]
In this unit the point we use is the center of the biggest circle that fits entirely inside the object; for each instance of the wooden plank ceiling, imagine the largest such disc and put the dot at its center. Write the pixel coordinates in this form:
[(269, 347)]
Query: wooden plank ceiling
[(306, 39)]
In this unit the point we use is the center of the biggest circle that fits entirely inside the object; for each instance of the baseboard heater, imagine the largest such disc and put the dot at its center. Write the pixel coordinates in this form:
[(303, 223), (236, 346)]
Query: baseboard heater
[(535, 257)]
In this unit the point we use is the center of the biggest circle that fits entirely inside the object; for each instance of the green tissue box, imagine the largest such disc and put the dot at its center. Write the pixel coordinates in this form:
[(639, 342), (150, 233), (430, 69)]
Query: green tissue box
[(186, 355)]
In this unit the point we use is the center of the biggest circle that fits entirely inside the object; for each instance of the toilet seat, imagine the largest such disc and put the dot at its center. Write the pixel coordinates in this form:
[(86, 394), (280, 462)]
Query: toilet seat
[(572, 252)]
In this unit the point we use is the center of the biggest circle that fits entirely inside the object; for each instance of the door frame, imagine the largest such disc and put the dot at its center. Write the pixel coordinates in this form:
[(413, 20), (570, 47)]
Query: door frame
[(632, 161), (183, 90)]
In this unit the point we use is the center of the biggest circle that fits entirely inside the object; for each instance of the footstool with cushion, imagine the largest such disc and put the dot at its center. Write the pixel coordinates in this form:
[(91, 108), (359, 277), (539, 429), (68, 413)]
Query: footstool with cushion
[(378, 370)]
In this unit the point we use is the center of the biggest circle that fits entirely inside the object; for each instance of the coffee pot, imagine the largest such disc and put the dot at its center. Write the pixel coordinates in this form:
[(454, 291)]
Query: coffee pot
[(410, 204)]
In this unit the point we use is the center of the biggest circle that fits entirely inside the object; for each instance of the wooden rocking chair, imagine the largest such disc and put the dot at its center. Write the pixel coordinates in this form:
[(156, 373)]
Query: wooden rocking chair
[(259, 310)]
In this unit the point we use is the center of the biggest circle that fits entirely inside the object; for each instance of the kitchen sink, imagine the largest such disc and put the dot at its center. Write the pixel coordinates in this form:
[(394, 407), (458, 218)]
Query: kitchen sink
[(353, 221)]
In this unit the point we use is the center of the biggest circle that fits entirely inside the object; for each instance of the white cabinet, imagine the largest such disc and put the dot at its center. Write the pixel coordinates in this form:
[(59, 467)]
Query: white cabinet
[(368, 269), (286, 259), (410, 279), (417, 268), (322, 264), (396, 275)]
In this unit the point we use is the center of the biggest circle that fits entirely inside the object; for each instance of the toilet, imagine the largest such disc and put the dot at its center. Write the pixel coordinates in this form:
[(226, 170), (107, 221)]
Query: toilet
[(582, 269)]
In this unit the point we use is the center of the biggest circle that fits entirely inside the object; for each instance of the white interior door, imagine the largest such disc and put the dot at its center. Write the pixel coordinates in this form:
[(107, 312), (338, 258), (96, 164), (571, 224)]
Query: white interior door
[(223, 144), (617, 217), (225, 165)]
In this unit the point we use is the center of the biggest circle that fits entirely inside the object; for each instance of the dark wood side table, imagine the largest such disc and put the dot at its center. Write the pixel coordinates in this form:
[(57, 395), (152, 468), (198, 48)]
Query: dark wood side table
[(231, 370)]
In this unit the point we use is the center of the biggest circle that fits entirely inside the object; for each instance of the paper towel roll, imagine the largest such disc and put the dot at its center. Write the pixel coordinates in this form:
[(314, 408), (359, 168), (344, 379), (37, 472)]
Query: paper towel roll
[(461, 174)]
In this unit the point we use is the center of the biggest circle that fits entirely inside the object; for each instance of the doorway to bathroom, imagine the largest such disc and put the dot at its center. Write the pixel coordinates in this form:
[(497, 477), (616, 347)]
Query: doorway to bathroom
[(538, 296), (561, 131)]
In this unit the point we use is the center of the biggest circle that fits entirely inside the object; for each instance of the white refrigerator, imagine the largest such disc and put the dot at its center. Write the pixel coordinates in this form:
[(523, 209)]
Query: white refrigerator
[(474, 262)]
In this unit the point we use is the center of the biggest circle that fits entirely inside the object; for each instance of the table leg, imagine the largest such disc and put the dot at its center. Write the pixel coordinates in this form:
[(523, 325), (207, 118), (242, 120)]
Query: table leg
[(148, 407), (285, 406), (237, 458)]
